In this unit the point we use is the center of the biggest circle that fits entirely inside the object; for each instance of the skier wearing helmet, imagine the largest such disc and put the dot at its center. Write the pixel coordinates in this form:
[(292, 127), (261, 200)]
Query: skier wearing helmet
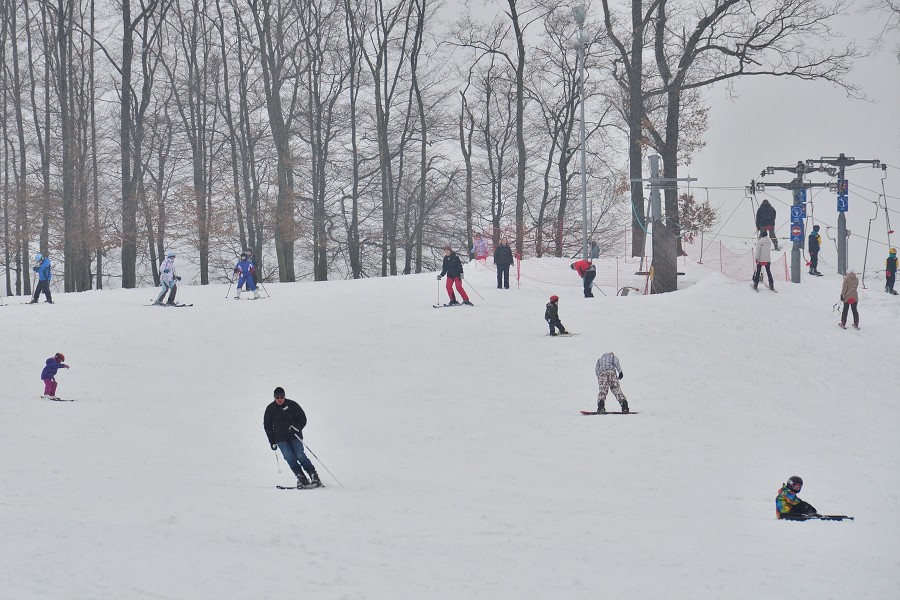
[(42, 267), (48, 375), (788, 505), (167, 279), (551, 315), (890, 272)]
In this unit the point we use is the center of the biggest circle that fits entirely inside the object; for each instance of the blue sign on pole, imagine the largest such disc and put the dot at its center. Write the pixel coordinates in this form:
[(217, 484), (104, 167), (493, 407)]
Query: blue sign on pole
[(843, 204), (800, 195), (797, 212), (797, 231)]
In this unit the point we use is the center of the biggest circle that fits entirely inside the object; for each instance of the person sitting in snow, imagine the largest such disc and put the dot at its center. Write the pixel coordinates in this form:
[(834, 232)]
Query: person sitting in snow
[(788, 505), (551, 315), (245, 271), (48, 375), (609, 372)]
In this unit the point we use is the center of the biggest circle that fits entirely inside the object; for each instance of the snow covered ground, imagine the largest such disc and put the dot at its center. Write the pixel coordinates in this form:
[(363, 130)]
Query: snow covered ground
[(468, 471)]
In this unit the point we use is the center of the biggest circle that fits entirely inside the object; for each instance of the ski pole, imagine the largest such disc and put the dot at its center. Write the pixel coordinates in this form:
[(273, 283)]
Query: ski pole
[(230, 283), (318, 459), (277, 463), (262, 285), (439, 290), (472, 287), (598, 288)]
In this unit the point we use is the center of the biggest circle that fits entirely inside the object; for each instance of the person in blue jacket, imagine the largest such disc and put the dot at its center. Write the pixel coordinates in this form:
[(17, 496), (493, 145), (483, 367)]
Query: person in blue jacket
[(48, 375), (42, 267), (245, 270)]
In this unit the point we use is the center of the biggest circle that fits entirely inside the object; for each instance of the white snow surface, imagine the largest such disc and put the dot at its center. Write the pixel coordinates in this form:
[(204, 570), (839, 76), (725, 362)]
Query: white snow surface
[(467, 470)]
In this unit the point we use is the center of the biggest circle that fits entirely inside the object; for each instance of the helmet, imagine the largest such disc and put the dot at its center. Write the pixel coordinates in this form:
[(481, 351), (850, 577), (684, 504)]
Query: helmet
[(59, 357), (554, 298), (815, 227), (795, 482), (170, 254), (39, 256)]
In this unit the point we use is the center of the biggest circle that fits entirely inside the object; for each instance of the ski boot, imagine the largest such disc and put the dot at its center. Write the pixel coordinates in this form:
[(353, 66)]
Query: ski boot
[(33, 301), (453, 302), (256, 294), (237, 296), (842, 325), (314, 479), (624, 405), (553, 333), (601, 407), (302, 481), (467, 303)]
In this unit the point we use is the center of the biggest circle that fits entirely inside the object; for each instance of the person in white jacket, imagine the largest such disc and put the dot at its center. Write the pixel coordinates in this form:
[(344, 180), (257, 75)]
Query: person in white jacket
[(762, 254), (167, 277)]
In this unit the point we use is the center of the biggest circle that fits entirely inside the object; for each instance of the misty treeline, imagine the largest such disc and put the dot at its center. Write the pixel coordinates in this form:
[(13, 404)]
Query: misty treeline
[(352, 138)]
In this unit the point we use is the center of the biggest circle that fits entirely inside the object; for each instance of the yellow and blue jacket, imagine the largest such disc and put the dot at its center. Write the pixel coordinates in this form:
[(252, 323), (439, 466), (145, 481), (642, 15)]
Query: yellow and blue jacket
[(785, 501)]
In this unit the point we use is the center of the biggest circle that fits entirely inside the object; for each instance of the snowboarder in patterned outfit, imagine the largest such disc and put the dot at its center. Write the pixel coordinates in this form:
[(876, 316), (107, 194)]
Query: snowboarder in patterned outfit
[(245, 270), (788, 505), (284, 421), (609, 372), (551, 315), (890, 272), (48, 375)]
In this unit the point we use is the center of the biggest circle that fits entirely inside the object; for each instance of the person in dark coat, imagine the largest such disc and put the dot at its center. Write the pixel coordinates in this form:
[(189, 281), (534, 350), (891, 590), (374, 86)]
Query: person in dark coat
[(453, 269), (890, 272), (503, 259), (284, 421), (587, 272), (814, 245), (765, 221), (551, 315)]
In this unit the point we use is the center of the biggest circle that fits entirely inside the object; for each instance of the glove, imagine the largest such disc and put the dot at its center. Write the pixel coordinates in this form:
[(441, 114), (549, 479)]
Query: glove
[(67, 366), (178, 278), (621, 374), (842, 298), (274, 446), (439, 277), (460, 276)]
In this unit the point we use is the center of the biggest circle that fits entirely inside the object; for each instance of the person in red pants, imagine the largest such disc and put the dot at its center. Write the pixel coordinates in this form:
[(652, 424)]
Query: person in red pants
[(453, 269)]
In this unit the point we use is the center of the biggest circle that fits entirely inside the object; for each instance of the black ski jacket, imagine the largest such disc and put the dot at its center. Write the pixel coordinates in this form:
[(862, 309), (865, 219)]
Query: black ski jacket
[(452, 266), (278, 421), (503, 256), (765, 215)]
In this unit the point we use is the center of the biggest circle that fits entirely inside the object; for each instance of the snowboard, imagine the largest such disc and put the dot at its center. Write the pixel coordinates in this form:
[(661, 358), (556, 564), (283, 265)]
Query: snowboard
[(610, 412), (817, 517)]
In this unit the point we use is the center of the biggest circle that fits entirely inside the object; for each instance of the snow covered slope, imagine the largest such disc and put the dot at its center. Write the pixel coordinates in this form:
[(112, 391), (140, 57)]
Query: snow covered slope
[(468, 470)]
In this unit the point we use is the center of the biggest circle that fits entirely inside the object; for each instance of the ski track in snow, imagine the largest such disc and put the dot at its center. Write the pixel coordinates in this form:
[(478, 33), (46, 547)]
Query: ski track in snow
[(469, 471)]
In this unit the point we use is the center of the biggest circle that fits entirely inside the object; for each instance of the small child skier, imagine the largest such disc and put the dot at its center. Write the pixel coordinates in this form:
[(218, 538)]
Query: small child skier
[(788, 505), (53, 364), (245, 270), (609, 372), (551, 315)]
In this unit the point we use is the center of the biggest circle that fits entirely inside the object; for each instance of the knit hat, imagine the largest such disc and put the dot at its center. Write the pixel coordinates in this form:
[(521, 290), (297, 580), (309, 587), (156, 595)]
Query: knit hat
[(815, 227), (279, 391)]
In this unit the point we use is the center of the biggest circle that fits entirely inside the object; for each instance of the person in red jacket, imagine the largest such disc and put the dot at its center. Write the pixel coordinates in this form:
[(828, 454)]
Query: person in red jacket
[(587, 272)]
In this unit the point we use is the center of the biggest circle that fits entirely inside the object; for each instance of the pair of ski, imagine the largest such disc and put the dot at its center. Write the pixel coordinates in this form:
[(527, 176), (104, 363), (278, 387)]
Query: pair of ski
[(566, 334), (308, 486), (170, 305), (816, 517), (451, 305), (55, 399), (609, 412)]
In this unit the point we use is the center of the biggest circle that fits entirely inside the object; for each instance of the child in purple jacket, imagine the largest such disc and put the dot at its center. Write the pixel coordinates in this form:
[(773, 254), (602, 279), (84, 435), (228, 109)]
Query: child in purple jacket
[(54, 364)]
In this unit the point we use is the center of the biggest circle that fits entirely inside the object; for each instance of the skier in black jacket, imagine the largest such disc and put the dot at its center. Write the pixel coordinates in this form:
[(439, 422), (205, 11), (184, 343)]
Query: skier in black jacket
[(765, 221), (453, 269), (815, 244), (284, 421), (503, 259)]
